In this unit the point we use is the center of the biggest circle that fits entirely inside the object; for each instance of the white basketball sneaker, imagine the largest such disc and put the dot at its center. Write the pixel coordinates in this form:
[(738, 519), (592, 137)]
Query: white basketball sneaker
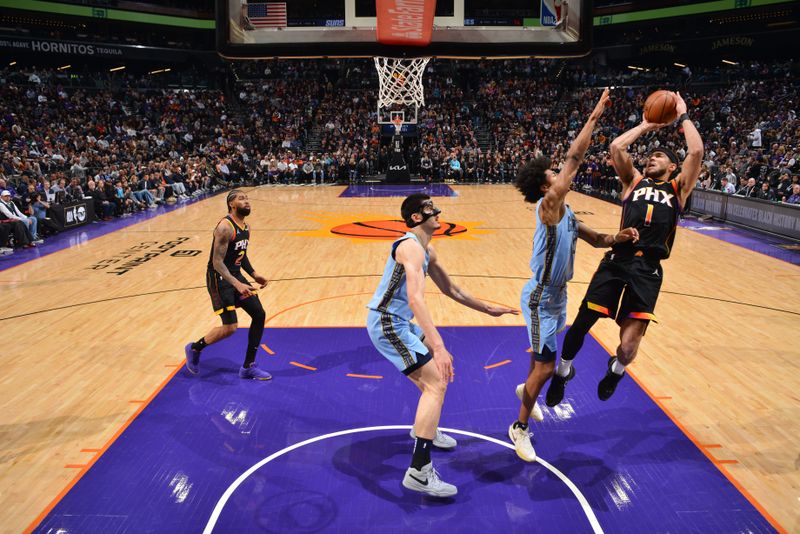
[(536, 412), (441, 441), (426, 480), (521, 439)]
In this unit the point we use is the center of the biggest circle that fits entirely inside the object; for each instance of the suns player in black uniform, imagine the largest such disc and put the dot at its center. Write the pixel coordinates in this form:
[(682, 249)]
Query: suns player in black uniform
[(229, 289), (651, 203)]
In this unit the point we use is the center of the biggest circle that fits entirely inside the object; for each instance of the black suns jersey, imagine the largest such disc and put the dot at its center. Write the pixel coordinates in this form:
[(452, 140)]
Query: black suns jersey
[(652, 208), (237, 246)]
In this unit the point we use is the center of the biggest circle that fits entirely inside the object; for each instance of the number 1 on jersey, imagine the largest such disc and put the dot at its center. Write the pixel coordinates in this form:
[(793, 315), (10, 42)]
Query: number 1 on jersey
[(649, 217)]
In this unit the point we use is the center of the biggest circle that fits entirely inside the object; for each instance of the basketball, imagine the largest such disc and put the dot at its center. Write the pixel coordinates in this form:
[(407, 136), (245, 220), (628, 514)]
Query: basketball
[(660, 107)]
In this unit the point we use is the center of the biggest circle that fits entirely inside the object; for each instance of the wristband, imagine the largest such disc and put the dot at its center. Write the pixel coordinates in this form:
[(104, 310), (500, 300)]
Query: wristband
[(683, 117)]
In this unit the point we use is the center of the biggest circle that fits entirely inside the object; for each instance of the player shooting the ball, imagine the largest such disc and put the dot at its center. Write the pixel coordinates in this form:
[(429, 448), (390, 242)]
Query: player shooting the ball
[(651, 203)]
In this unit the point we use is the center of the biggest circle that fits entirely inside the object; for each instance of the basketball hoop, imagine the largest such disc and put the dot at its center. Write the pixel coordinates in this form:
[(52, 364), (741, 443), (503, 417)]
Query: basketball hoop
[(400, 82)]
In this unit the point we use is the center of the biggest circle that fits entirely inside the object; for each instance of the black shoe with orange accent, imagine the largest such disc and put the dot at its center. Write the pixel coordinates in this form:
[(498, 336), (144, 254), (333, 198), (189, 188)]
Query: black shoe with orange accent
[(608, 384), (555, 392)]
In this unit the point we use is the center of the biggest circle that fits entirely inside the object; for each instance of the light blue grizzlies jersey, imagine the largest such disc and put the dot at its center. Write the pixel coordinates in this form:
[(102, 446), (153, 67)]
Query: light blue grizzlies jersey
[(392, 293), (553, 256)]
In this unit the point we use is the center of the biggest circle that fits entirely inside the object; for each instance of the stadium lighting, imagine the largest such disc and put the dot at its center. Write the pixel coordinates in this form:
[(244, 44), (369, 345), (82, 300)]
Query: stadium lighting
[(159, 71), (117, 68), (729, 62), (64, 67), (681, 65), (12, 63)]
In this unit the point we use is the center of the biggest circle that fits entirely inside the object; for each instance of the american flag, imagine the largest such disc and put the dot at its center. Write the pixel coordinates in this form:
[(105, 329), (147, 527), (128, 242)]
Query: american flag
[(270, 15)]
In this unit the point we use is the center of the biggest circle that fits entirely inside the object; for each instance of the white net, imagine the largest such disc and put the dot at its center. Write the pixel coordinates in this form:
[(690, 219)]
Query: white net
[(400, 82)]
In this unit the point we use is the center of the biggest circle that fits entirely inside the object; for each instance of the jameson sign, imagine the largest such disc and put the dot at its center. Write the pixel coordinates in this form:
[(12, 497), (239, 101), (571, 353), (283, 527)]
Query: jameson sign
[(61, 47), (733, 42), (736, 42), (656, 48)]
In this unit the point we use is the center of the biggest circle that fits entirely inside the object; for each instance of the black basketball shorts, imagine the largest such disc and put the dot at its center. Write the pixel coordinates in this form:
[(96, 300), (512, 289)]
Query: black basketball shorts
[(625, 288), (224, 297)]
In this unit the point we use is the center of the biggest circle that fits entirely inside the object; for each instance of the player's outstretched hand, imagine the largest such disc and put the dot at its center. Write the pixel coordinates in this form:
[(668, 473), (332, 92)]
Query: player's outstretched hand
[(497, 311), (261, 280), (680, 106), (601, 106), (627, 234)]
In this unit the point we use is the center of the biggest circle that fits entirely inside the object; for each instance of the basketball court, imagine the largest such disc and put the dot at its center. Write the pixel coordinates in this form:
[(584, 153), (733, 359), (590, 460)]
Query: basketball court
[(105, 430), (127, 441)]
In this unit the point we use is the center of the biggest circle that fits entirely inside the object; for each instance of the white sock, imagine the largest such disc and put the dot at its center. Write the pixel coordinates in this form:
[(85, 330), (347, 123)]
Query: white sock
[(617, 368), (563, 367)]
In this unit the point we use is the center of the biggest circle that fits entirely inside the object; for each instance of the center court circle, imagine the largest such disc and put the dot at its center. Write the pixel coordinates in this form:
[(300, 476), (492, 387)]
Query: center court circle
[(212, 521)]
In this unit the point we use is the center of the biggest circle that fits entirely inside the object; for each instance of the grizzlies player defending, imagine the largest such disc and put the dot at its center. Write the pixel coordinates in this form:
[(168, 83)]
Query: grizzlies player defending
[(544, 297), (229, 289), (399, 298), (651, 203)]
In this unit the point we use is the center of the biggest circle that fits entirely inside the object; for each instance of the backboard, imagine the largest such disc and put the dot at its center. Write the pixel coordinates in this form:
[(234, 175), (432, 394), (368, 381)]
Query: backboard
[(346, 28)]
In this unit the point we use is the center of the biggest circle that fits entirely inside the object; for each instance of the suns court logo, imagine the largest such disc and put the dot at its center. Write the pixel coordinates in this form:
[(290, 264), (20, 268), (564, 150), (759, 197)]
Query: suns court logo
[(390, 229), (374, 227)]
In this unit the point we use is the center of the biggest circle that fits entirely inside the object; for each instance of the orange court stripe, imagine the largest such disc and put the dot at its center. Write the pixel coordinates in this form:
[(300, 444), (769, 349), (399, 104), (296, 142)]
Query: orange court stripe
[(498, 364), (266, 348), (663, 398), (303, 366), (712, 446), (727, 461), (105, 447), (696, 442), (74, 466), (377, 377)]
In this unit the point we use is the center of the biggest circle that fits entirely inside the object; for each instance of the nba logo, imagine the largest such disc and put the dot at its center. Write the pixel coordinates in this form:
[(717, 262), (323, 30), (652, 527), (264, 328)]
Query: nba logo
[(551, 12)]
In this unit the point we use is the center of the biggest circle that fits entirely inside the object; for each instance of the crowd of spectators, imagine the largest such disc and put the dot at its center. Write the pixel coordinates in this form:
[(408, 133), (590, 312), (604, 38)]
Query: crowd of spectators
[(127, 144)]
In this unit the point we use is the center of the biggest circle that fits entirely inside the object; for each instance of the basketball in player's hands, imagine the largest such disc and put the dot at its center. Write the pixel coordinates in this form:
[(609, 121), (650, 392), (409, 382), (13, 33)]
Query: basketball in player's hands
[(660, 107)]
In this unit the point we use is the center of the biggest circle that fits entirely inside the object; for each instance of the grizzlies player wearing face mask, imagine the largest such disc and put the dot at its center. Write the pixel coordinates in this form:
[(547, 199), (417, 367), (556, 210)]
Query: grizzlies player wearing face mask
[(544, 297), (411, 348), (229, 289), (628, 280)]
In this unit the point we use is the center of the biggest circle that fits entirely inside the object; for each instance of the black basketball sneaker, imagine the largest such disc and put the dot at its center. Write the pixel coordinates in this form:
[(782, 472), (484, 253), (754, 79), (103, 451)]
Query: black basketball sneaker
[(555, 393), (608, 384)]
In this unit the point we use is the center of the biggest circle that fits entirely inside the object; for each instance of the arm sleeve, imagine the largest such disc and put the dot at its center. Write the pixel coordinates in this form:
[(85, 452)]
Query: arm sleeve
[(246, 266)]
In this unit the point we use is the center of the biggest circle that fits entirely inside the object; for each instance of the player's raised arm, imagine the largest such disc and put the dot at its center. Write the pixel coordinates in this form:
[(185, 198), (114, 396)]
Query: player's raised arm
[(690, 170), (575, 154), (623, 163)]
